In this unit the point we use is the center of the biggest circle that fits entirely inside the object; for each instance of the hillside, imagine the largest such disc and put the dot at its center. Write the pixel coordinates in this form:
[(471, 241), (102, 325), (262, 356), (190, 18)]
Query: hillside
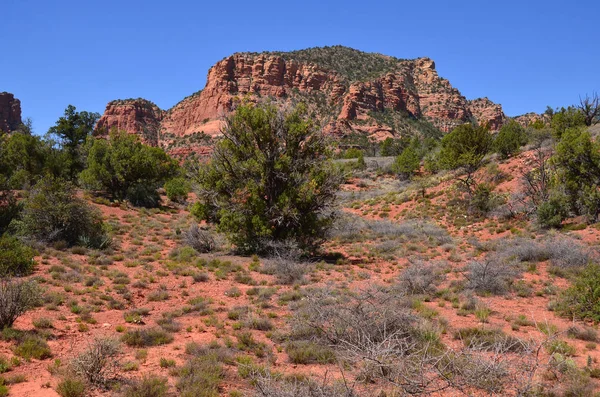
[(348, 91)]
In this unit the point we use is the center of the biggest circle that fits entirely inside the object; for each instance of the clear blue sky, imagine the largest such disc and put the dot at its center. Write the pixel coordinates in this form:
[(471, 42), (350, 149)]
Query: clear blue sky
[(523, 54)]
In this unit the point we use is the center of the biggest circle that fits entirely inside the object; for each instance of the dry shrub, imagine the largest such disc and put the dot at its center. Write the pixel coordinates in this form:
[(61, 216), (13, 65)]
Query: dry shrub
[(98, 365), (199, 239), (491, 276), (16, 297), (420, 278)]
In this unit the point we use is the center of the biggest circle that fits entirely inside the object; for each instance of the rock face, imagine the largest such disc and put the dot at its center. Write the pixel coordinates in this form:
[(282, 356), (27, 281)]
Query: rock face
[(10, 112), (529, 118), (346, 90), (487, 112), (136, 116)]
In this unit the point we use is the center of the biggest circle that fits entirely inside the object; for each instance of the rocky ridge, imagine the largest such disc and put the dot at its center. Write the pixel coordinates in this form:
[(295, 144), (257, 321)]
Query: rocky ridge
[(348, 91)]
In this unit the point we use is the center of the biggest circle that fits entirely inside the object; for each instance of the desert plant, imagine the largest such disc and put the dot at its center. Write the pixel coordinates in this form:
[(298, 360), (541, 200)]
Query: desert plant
[(199, 239), (16, 258), (71, 387), (420, 278), (200, 376), (509, 139), (33, 347), (148, 386), (269, 179), (147, 337), (177, 189), (98, 365), (125, 168), (52, 212), (582, 299), (490, 276), (16, 297)]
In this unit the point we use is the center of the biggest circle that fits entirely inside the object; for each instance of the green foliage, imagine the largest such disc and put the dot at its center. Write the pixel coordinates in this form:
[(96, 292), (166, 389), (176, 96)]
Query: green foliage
[(126, 169), (147, 337), (149, 386), (33, 347), (407, 163), (16, 258), (551, 213), (22, 157), (565, 119), (177, 189), (52, 212), (269, 179), (509, 139), (72, 130), (71, 387), (352, 153), (9, 206), (578, 162), (465, 147), (582, 299), (484, 200), (392, 147), (350, 63), (200, 377)]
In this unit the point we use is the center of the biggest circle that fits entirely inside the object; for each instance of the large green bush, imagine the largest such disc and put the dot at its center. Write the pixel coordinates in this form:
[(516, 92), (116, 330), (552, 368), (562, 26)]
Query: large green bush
[(177, 189), (509, 139), (16, 258), (407, 163), (269, 179), (465, 147), (52, 212), (582, 299), (124, 168)]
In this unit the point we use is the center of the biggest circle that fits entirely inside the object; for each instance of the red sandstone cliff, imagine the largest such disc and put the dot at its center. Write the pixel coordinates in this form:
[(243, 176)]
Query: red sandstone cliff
[(136, 116), (341, 101), (10, 112)]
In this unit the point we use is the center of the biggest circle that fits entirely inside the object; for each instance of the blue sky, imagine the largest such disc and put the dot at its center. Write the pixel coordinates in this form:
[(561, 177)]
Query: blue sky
[(522, 54)]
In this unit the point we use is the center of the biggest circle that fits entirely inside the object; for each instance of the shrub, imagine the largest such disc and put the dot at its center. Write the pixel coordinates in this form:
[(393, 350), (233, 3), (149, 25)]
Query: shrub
[(125, 168), (286, 271), (71, 387), (98, 364), (199, 239), (16, 297), (33, 347), (9, 207), (147, 337), (582, 299), (200, 377), (52, 212), (149, 386), (490, 276), (16, 258), (177, 189), (406, 163), (305, 352), (551, 213), (566, 253), (269, 179), (509, 139), (583, 333), (490, 340), (420, 278)]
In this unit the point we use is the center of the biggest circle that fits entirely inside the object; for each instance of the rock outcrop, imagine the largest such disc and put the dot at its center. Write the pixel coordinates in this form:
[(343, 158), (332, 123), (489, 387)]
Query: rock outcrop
[(10, 112), (487, 112), (378, 95), (136, 116), (529, 118)]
